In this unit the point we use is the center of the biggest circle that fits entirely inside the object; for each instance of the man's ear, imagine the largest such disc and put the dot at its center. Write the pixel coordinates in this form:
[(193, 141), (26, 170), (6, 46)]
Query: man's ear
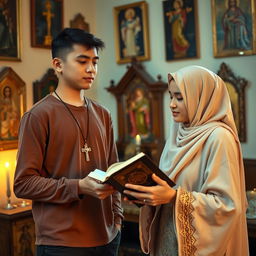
[(57, 65)]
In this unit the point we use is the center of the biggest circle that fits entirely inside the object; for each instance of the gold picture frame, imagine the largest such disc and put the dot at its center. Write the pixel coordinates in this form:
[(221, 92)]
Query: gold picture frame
[(12, 107), (236, 89), (10, 30), (233, 24), (131, 32), (46, 85), (46, 21), (79, 22), (181, 30), (137, 93)]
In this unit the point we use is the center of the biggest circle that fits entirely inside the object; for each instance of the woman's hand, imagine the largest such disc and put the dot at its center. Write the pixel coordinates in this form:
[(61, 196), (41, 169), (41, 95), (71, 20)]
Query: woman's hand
[(161, 193)]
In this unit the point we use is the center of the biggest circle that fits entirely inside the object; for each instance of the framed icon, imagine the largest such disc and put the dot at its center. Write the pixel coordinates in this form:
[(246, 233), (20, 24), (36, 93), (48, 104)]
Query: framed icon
[(140, 103), (181, 29), (131, 32), (46, 21), (79, 22), (236, 89), (12, 107), (10, 30), (46, 85), (233, 25)]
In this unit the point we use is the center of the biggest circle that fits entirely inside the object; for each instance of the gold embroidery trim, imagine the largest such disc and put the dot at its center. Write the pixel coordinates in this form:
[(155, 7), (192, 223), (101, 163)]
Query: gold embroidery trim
[(185, 221)]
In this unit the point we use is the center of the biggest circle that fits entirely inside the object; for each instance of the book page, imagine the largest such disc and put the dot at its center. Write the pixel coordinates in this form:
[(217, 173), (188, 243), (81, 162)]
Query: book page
[(98, 175), (118, 166)]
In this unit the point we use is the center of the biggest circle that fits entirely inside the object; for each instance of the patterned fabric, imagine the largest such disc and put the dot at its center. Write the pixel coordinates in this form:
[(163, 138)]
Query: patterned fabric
[(185, 220)]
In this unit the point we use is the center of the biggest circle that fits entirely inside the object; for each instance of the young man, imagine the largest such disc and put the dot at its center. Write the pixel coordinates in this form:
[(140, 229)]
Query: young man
[(61, 139)]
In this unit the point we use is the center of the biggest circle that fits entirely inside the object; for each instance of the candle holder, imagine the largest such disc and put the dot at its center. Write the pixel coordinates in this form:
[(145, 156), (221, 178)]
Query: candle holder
[(9, 205), (138, 149), (24, 203)]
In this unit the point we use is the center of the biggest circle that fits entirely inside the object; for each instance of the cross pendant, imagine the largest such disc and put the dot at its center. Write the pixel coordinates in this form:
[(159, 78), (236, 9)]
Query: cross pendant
[(86, 151)]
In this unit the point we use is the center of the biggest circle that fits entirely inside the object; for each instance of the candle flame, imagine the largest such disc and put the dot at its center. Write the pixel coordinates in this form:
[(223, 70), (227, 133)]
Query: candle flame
[(7, 164), (138, 140)]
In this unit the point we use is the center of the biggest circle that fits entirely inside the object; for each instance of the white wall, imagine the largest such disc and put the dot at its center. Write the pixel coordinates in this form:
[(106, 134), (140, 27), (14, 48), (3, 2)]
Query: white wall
[(243, 66)]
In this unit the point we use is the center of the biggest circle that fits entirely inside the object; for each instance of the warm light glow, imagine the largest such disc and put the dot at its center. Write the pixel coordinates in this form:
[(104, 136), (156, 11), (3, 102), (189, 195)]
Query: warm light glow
[(138, 140), (7, 164)]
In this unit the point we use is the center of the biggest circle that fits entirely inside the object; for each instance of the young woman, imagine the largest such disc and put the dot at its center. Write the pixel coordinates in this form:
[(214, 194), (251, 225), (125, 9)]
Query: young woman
[(205, 213)]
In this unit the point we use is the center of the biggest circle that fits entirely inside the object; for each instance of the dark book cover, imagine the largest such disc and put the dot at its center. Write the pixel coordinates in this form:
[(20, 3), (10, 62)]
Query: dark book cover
[(138, 172)]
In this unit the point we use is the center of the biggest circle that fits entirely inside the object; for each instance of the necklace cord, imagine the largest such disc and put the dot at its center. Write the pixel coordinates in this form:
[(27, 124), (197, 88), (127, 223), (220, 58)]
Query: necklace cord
[(87, 105)]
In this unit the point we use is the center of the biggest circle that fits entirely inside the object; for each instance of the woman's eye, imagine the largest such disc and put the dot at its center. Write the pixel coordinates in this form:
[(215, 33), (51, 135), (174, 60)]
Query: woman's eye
[(179, 99)]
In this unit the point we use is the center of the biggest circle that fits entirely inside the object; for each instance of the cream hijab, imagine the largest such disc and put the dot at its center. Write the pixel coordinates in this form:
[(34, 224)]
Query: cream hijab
[(207, 101)]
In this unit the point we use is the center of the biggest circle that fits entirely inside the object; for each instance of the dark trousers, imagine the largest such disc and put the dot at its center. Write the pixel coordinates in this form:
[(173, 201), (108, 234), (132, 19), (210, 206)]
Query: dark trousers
[(110, 249)]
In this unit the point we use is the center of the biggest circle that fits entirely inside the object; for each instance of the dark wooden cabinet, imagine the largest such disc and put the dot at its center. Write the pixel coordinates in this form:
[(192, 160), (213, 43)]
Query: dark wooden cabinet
[(17, 236), (130, 244), (251, 223)]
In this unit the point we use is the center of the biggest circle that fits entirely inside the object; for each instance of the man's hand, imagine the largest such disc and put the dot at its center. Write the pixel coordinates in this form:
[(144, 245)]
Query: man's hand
[(118, 226), (93, 188)]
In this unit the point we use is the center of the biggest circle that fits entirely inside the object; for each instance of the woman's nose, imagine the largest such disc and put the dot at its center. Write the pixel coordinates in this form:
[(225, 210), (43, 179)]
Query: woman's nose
[(173, 103)]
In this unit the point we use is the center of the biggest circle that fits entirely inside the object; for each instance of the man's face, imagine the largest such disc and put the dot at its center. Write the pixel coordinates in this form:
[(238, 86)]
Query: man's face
[(79, 69)]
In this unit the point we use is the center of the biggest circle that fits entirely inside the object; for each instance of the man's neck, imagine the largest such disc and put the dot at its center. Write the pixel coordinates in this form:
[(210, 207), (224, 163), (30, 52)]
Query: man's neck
[(69, 95)]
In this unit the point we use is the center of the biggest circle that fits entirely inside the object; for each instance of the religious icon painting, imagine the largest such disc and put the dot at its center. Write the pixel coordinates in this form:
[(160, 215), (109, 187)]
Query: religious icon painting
[(233, 25), (46, 21), (181, 29), (131, 32), (236, 86), (10, 30), (138, 111), (79, 22), (45, 86), (140, 104), (12, 107)]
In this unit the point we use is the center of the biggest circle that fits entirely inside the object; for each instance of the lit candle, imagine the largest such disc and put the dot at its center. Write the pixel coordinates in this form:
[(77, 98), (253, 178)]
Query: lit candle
[(8, 187), (138, 140)]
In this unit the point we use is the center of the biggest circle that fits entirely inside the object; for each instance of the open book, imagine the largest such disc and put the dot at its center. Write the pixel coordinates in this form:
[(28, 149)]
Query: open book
[(137, 170)]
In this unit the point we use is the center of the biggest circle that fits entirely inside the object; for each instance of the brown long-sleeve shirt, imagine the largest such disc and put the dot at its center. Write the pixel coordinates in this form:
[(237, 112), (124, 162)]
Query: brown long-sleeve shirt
[(50, 164)]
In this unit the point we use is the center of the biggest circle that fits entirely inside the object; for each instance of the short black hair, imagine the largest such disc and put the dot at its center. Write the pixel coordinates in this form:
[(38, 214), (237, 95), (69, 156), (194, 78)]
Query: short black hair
[(63, 43)]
